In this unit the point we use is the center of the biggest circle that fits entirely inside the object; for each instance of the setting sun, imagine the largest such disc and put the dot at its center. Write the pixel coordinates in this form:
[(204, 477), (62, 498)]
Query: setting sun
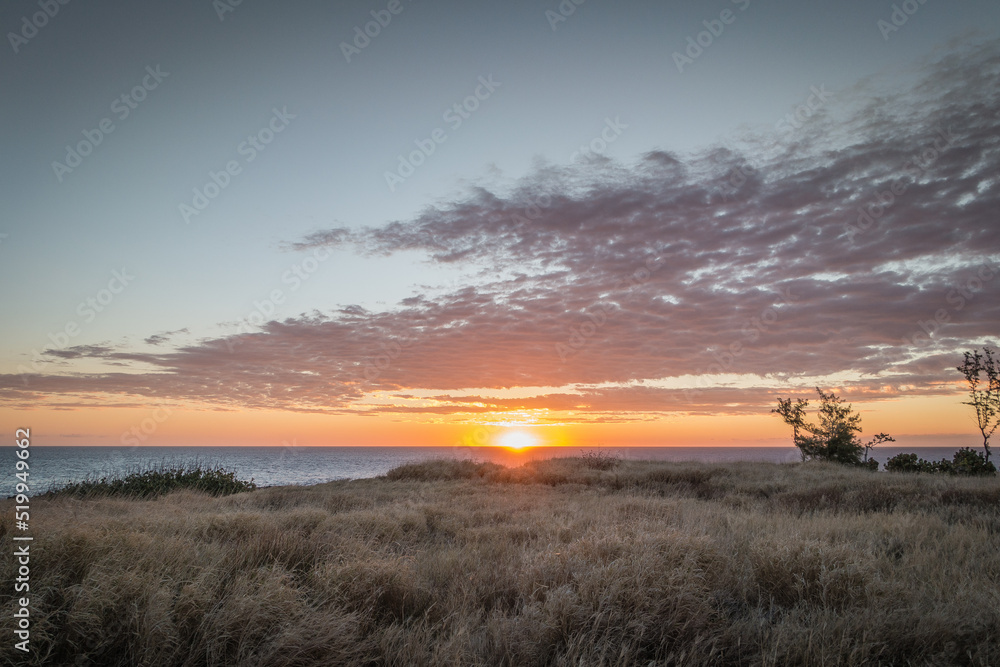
[(517, 440)]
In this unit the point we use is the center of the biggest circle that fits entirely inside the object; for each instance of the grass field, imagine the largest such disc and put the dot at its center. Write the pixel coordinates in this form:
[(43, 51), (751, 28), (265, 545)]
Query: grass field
[(559, 562)]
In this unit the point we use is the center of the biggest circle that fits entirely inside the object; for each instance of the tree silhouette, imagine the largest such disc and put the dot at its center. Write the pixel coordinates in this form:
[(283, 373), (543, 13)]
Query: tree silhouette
[(986, 399), (877, 440), (795, 416), (834, 438)]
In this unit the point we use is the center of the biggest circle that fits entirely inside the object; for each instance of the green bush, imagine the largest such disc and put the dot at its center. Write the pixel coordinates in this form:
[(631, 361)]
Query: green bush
[(216, 481), (441, 469), (966, 462), (906, 463)]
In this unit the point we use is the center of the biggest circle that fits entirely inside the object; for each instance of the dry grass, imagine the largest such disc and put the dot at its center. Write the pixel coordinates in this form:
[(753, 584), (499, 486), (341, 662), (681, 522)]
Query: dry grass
[(553, 563)]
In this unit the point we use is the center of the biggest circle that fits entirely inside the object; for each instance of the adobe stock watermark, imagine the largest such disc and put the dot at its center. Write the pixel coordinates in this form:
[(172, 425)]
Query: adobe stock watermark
[(471, 443), (714, 28), (735, 179), (818, 97), (381, 18), (595, 147), (597, 314), (249, 150), (142, 431), (531, 212), (122, 106), (915, 168), (88, 309), (599, 144), (37, 21), (289, 449), (391, 350), (724, 360), (957, 298), (563, 11), (897, 19), (454, 116), (791, 122), (265, 309), (223, 7)]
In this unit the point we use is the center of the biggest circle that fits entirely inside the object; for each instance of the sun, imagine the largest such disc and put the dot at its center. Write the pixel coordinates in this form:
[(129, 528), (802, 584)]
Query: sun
[(517, 440)]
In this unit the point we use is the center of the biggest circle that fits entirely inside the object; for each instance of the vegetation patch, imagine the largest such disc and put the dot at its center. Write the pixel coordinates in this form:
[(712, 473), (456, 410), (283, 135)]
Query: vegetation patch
[(549, 563), (966, 461), (216, 481)]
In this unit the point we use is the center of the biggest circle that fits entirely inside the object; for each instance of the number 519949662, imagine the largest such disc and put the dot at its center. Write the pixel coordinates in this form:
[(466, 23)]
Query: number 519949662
[(23, 440)]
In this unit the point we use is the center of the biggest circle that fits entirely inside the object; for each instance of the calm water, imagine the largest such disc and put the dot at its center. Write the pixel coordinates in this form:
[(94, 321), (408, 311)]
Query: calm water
[(276, 466)]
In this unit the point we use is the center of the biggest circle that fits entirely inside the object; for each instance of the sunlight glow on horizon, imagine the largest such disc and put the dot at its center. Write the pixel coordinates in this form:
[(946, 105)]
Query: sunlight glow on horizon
[(517, 440)]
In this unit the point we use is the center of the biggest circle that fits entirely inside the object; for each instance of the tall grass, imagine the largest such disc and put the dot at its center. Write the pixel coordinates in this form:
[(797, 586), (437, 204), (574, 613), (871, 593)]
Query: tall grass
[(550, 563), (157, 481)]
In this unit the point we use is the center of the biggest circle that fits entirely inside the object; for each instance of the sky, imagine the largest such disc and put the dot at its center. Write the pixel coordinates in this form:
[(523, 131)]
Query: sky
[(409, 222)]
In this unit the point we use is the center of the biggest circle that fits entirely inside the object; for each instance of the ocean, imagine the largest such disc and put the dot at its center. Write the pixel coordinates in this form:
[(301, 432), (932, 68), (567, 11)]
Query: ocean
[(280, 466)]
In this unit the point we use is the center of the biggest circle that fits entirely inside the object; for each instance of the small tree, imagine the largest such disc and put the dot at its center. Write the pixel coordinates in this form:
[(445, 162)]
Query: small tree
[(834, 438), (795, 416), (985, 399), (877, 440)]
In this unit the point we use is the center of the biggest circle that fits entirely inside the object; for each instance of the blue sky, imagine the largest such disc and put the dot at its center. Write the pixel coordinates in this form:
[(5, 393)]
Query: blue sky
[(223, 78)]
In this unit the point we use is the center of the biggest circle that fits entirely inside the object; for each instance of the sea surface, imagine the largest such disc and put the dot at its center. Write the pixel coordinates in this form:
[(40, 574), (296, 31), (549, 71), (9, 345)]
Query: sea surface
[(279, 466)]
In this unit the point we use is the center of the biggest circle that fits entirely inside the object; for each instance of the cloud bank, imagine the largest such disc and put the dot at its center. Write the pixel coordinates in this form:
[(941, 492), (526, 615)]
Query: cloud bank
[(862, 248)]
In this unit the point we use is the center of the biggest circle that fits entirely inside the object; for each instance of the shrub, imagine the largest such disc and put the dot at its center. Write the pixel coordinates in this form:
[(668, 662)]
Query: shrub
[(441, 469), (966, 462), (216, 481), (906, 463), (598, 459), (870, 464)]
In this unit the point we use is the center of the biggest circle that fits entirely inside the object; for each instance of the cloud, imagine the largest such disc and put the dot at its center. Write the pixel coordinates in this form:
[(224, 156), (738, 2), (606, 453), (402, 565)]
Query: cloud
[(159, 339), (78, 352), (862, 248)]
